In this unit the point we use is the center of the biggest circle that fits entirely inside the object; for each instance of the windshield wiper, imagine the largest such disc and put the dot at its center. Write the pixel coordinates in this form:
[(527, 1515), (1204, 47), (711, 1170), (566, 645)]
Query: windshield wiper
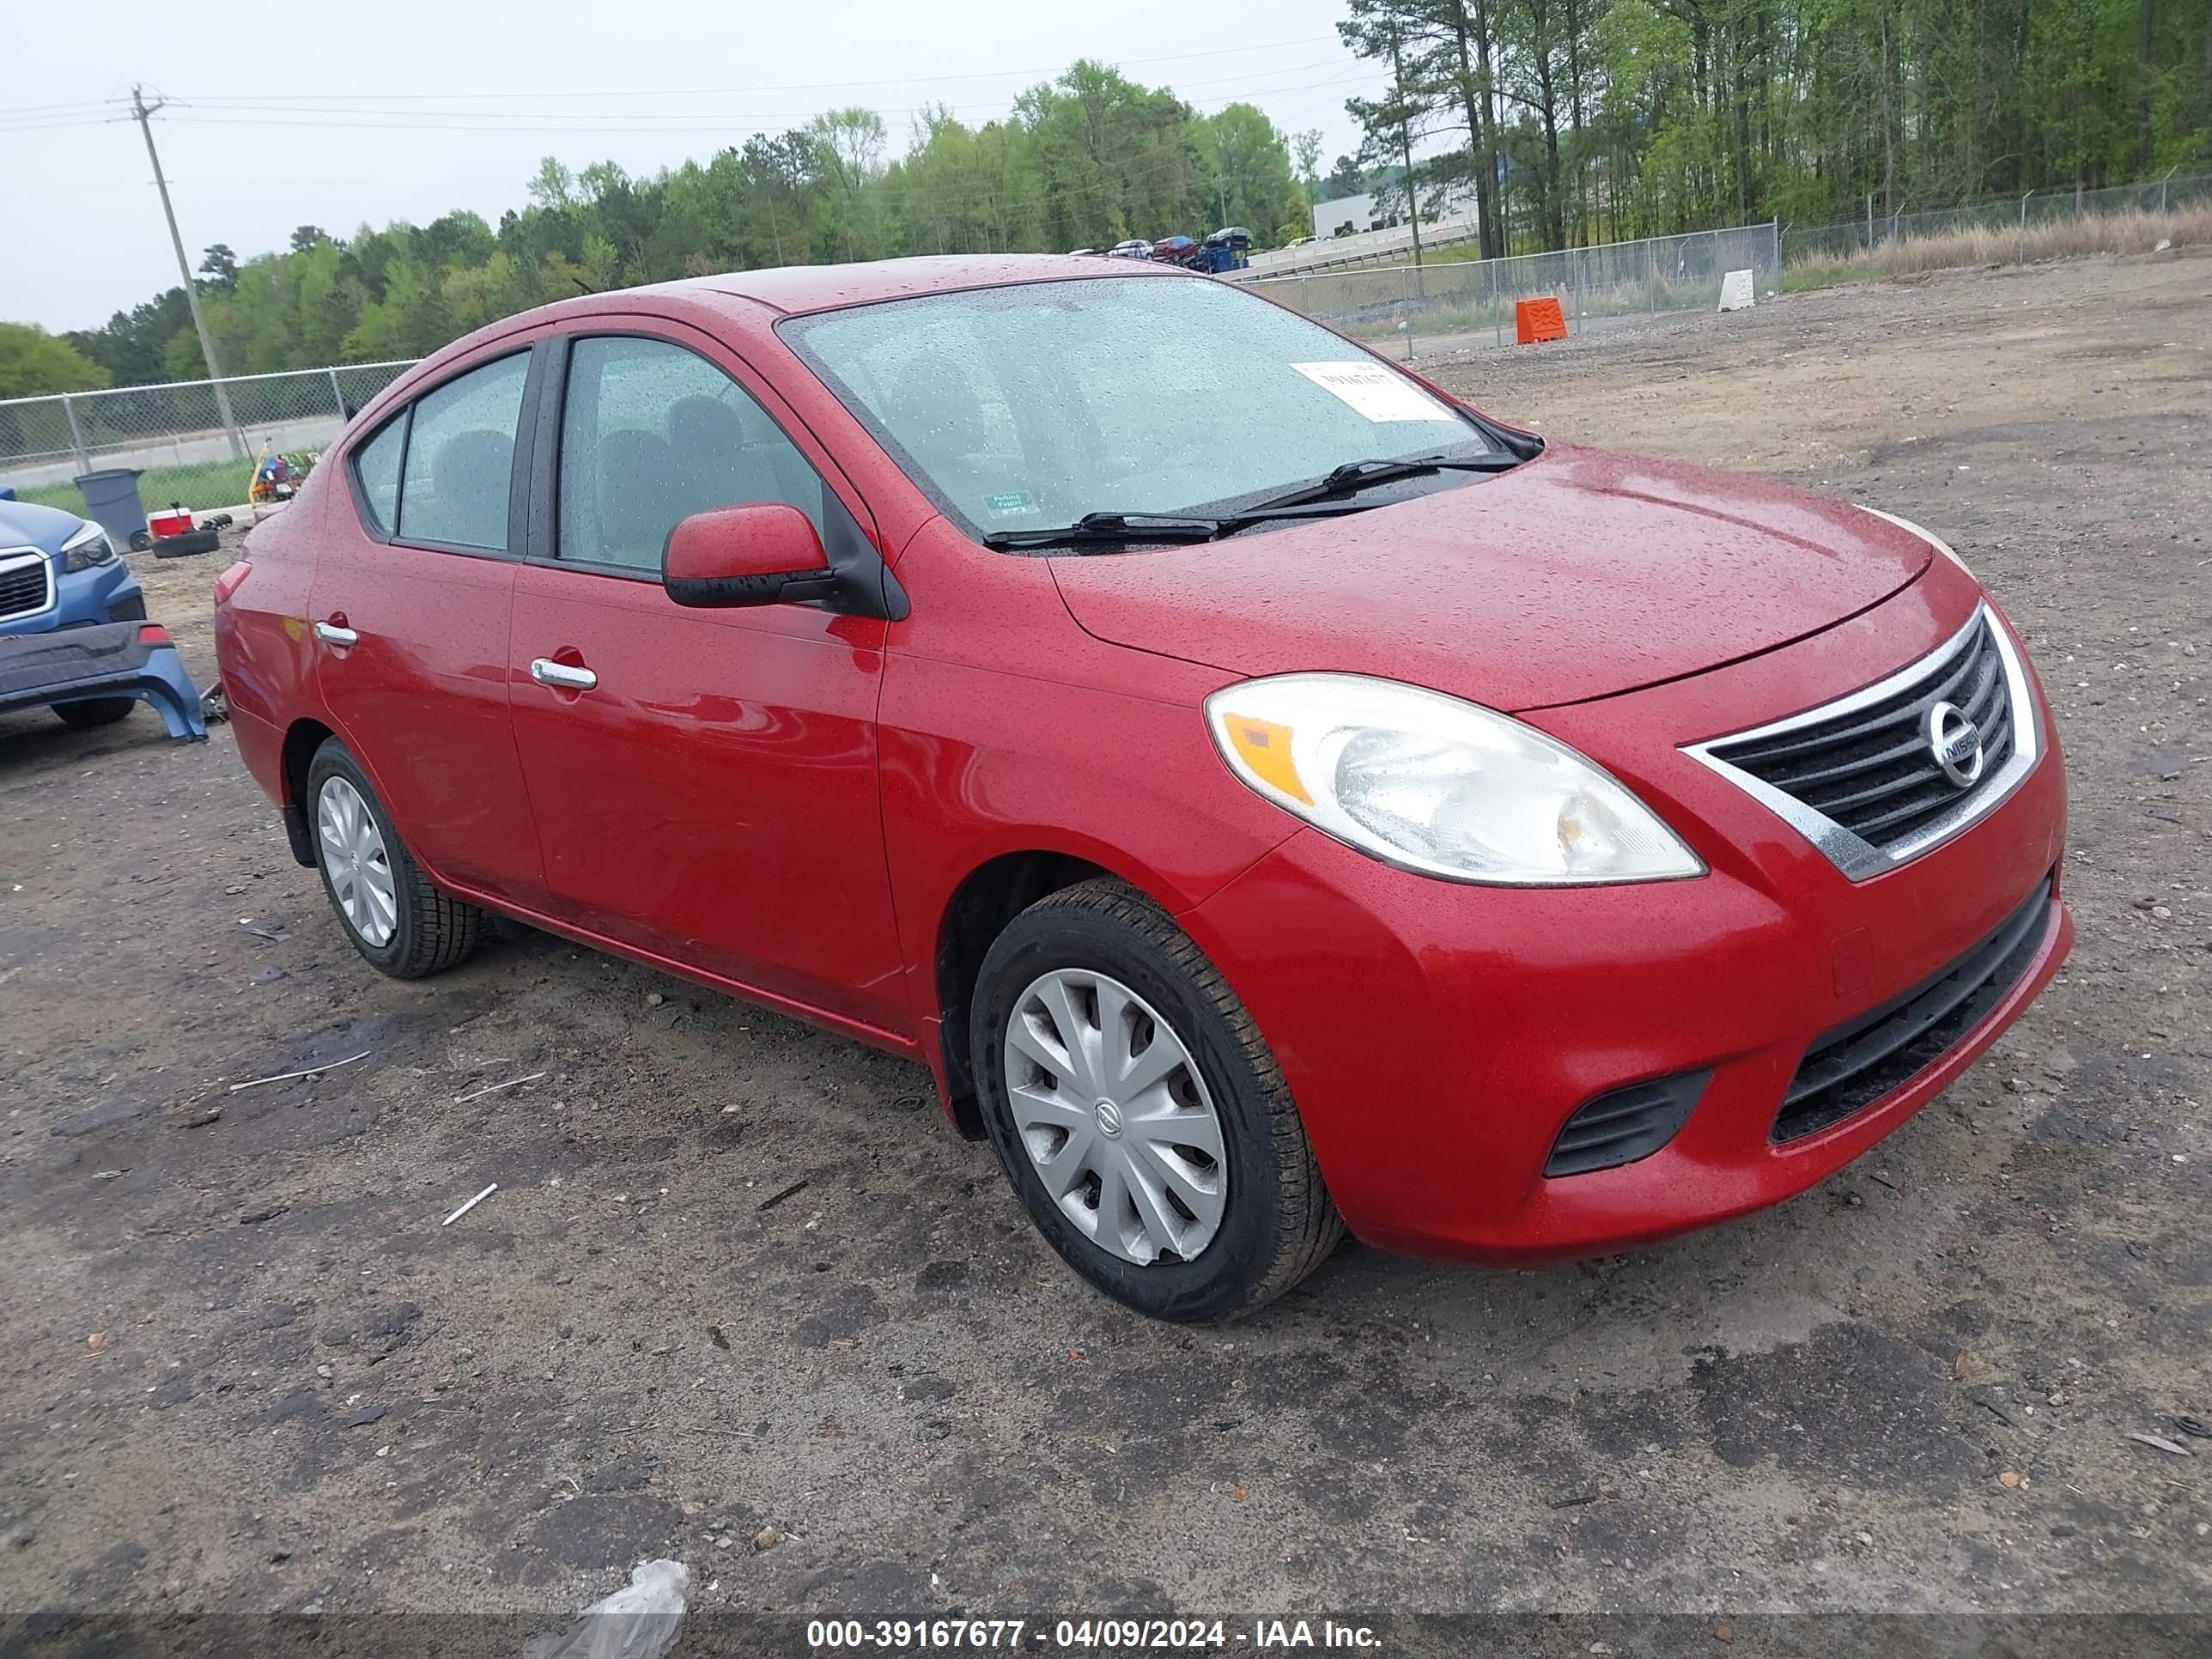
[(1355, 475), (1112, 528)]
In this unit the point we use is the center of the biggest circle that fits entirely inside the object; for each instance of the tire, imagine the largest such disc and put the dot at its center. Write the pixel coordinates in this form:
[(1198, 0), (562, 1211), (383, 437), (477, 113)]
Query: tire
[(186, 543), (94, 711), (423, 931), (1275, 1223)]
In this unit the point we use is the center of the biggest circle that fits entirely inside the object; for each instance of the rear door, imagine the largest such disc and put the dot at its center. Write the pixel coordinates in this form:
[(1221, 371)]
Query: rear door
[(408, 610), (704, 781)]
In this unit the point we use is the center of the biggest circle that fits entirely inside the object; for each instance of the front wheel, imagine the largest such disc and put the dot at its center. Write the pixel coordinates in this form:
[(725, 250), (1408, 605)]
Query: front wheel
[(1139, 1113)]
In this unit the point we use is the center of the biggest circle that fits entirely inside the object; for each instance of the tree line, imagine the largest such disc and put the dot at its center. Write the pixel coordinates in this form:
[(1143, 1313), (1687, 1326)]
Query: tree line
[(1083, 161), (1567, 121), (1576, 121)]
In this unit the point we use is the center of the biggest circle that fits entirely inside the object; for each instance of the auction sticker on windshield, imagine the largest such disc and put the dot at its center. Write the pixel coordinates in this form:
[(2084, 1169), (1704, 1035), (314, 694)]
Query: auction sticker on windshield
[(1374, 392)]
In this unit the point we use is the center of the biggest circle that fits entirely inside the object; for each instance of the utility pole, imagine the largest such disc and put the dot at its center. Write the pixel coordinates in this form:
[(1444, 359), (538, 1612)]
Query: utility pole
[(142, 112)]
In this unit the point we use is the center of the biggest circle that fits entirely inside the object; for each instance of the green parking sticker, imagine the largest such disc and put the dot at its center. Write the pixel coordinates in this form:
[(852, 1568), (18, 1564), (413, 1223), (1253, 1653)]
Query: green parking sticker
[(1013, 501)]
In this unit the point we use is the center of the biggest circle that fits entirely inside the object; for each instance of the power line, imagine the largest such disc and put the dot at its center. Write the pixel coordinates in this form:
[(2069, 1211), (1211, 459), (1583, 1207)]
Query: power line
[(618, 121), (247, 100), (302, 116), (57, 125), (43, 109)]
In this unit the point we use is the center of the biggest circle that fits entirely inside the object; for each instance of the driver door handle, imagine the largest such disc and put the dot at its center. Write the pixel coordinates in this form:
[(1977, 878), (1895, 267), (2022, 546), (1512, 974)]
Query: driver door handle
[(332, 633), (567, 675)]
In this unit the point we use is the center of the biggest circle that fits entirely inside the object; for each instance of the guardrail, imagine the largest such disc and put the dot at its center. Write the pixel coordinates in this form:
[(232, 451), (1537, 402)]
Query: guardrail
[(1364, 247)]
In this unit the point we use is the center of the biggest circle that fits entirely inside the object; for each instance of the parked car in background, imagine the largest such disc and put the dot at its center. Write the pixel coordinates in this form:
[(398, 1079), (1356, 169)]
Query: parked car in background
[(1360, 813), (57, 570), (1135, 248), (1176, 250), (74, 635)]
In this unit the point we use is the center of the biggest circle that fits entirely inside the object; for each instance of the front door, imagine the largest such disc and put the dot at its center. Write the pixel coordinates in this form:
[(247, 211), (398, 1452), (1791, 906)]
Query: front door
[(408, 607), (703, 781)]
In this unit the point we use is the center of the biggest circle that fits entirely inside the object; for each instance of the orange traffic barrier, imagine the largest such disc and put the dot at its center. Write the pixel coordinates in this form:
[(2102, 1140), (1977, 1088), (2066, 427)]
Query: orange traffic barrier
[(1539, 319)]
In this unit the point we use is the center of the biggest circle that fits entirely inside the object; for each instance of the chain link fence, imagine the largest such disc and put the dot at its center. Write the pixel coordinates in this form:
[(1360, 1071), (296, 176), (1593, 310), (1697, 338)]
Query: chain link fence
[(1815, 246), (1455, 305), (195, 440)]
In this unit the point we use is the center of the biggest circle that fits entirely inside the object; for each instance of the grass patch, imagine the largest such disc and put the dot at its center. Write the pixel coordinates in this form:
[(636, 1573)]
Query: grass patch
[(1817, 272), (202, 486), (2133, 231)]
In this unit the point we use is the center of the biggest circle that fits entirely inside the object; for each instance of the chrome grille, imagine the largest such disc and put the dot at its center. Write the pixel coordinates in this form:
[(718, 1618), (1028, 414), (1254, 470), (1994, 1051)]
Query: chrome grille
[(26, 584), (1862, 776)]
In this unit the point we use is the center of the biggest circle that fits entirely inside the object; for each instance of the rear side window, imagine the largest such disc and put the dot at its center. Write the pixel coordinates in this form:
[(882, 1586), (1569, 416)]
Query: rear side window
[(651, 434), (460, 458), (376, 464)]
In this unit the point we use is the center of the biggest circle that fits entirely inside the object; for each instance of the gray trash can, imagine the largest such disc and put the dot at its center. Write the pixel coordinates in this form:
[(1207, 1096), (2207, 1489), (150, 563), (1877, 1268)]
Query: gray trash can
[(111, 501)]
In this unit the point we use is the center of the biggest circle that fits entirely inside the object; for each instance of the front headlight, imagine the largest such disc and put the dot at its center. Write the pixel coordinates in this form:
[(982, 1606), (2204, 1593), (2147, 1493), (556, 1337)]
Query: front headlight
[(86, 549), (1432, 784), (1925, 535)]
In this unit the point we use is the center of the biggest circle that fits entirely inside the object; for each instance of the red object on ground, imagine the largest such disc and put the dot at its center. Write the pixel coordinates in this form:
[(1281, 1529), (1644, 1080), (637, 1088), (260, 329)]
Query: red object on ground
[(1536, 320), (173, 521), (831, 806)]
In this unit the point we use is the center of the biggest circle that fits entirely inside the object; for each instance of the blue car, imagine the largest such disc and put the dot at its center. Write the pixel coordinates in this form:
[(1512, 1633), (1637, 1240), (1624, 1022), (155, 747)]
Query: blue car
[(74, 633)]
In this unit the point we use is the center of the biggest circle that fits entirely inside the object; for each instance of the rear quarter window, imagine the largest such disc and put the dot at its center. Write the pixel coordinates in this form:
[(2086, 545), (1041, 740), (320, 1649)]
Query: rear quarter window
[(376, 467)]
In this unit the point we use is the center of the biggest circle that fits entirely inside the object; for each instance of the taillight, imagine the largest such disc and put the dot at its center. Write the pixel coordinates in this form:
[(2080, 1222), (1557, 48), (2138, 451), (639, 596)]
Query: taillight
[(227, 584), (154, 634)]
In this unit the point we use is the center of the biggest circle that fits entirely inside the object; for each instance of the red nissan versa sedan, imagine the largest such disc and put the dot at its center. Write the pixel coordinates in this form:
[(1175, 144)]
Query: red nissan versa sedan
[(1317, 807)]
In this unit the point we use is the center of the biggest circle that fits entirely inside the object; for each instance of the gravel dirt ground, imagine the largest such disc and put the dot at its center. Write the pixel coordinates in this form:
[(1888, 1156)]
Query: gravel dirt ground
[(741, 1298)]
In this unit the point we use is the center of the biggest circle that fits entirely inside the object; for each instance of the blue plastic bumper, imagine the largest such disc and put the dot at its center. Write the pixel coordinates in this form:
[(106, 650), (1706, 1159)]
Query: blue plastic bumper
[(111, 660)]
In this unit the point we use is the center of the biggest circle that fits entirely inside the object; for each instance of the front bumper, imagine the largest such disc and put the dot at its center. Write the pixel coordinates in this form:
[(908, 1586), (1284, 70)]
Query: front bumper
[(1436, 1037), (105, 659)]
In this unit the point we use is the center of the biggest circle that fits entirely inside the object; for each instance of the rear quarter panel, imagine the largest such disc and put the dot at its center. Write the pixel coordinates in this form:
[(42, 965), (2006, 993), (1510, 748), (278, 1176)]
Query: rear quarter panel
[(262, 647)]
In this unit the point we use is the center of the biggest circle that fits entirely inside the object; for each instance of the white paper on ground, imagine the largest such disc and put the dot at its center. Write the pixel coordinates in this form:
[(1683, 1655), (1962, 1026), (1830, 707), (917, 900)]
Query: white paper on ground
[(1377, 392)]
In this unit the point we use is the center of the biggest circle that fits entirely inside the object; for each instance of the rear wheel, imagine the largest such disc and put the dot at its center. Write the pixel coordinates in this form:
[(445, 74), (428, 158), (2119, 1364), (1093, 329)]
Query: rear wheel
[(94, 711), (395, 917), (1138, 1112)]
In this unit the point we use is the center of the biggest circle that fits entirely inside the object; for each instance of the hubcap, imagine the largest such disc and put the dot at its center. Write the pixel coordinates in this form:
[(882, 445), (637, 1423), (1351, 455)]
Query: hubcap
[(1115, 1118), (355, 859)]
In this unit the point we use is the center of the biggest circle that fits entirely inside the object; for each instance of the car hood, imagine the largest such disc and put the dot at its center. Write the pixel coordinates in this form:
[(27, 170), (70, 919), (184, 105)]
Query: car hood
[(25, 524), (1575, 575)]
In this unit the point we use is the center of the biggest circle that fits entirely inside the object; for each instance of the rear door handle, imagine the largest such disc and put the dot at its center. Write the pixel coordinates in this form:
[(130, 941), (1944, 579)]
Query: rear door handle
[(332, 633), (567, 675)]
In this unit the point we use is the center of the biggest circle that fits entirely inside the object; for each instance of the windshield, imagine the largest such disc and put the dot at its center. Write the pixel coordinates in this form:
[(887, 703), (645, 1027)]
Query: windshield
[(1034, 404)]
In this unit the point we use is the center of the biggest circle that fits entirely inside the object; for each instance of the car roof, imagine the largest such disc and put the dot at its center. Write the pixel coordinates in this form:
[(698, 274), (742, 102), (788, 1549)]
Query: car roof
[(792, 289), (753, 299)]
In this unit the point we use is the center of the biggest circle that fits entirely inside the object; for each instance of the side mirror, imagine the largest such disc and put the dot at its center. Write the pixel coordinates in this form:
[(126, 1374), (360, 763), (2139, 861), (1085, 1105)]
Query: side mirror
[(766, 553)]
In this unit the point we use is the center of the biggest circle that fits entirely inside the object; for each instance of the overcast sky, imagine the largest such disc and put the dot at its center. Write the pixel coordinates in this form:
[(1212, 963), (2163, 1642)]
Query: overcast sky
[(336, 115)]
